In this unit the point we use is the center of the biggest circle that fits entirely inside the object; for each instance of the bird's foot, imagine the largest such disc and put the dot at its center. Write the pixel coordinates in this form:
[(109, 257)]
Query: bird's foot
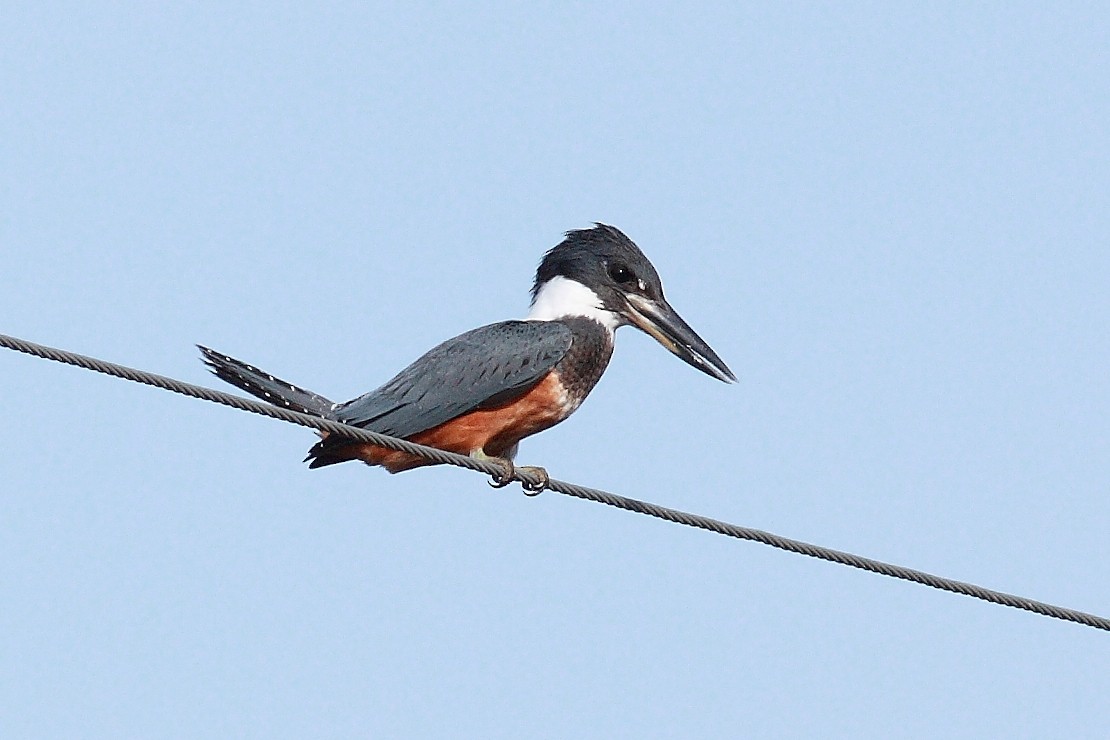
[(509, 473), (534, 489), (500, 480)]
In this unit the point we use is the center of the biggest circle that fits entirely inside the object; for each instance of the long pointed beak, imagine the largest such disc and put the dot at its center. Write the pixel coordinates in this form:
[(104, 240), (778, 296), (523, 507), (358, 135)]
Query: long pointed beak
[(658, 319)]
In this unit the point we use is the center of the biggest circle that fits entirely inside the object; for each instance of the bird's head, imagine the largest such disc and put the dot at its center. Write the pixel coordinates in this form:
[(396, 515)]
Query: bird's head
[(601, 274)]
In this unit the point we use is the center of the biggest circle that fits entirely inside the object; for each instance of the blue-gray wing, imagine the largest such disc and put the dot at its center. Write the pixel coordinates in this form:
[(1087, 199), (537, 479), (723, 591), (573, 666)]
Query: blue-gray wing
[(482, 368)]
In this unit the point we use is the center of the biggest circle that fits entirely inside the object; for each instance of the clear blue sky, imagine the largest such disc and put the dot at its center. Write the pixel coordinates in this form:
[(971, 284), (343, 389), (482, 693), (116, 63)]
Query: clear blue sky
[(892, 222)]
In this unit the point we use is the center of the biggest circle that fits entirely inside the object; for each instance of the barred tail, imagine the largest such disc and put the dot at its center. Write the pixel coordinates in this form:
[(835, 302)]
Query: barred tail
[(265, 386)]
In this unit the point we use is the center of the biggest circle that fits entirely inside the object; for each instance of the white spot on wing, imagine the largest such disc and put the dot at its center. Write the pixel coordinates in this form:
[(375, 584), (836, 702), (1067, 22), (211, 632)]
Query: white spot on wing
[(561, 297)]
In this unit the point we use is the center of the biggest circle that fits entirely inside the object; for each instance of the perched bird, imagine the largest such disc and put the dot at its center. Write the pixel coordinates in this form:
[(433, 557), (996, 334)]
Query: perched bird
[(482, 392)]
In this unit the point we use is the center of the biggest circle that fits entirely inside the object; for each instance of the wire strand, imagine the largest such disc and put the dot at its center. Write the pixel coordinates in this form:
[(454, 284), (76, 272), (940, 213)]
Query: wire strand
[(569, 489)]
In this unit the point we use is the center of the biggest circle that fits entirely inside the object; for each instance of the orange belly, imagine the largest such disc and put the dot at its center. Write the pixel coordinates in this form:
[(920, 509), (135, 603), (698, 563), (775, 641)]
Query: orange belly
[(493, 430)]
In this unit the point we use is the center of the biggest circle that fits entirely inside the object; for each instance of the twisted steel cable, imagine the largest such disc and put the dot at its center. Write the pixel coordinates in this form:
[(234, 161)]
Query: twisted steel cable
[(569, 489)]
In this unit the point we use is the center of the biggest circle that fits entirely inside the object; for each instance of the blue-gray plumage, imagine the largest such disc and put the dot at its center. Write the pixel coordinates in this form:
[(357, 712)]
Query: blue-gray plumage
[(482, 368), (483, 391)]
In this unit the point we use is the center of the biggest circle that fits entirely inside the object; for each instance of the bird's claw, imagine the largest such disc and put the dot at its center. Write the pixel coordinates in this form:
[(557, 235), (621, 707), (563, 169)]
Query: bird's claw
[(535, 489), (509, 474), (500, 480)]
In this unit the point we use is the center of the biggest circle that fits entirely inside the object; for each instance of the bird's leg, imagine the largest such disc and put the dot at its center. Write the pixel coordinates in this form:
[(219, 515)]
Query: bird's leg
[(505, 478)]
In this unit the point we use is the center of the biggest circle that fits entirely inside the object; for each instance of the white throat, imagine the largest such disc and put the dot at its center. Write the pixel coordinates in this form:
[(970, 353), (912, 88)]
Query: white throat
[(561, 297)]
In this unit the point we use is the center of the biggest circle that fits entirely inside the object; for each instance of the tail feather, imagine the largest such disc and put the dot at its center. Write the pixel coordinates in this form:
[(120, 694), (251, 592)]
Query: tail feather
[(265, 386), (331, 450)]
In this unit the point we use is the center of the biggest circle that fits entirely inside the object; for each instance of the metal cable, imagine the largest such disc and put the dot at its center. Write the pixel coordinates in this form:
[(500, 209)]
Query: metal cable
[(570, 489)]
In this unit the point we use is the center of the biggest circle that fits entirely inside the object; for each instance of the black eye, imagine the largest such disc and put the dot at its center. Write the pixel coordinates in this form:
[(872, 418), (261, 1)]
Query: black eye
[(620, 273)]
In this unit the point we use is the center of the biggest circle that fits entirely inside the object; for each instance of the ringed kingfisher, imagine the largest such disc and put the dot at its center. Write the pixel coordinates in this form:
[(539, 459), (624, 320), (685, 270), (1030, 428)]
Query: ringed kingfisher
[(482, 392)]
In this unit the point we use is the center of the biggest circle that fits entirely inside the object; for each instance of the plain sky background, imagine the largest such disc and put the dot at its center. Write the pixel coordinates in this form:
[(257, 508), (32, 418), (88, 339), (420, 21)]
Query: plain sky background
[(893, 222)]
